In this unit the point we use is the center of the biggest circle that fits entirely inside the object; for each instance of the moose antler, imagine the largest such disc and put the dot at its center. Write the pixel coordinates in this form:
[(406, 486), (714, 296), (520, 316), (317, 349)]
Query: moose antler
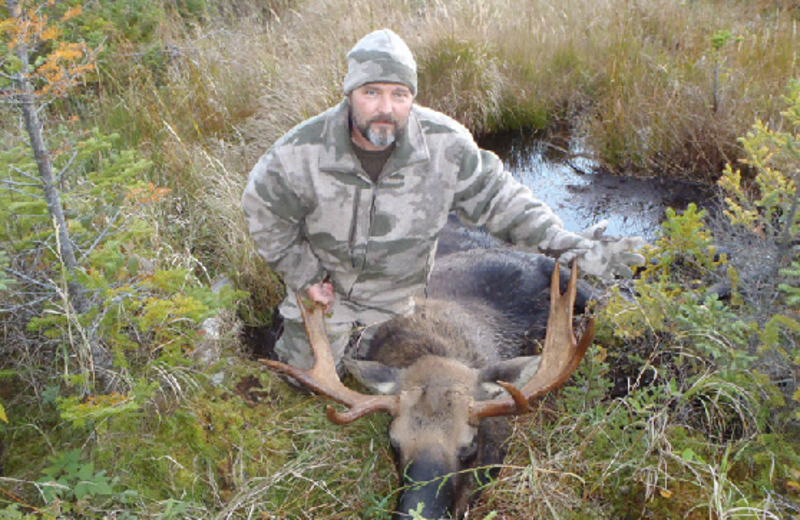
[(322, 377), (562, 355)]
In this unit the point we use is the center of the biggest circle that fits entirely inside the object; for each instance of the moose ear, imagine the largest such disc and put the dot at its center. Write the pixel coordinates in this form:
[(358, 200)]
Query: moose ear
[(377, 377), (517, 371)]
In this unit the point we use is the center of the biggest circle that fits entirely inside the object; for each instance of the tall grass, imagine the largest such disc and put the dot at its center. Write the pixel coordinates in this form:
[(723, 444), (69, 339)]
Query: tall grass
[(640, 74), (635, 77)]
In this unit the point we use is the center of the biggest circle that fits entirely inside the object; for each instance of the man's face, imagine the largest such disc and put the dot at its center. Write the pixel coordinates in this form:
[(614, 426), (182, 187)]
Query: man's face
[(379, 112)]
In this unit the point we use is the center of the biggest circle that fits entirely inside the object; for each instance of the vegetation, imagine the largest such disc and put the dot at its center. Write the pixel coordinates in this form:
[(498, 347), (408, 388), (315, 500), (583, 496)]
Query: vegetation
[(125, 389)]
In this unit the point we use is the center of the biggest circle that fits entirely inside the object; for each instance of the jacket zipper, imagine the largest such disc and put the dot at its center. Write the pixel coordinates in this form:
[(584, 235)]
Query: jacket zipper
[(351, 241), (372, 209)]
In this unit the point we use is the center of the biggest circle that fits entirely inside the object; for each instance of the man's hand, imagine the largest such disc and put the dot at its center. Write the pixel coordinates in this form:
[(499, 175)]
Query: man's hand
[(322, 293), (605, 256)]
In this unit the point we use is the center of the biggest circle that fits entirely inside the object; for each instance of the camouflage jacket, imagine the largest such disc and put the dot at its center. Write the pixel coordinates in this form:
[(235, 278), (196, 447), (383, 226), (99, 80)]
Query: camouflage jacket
[(314, 213)]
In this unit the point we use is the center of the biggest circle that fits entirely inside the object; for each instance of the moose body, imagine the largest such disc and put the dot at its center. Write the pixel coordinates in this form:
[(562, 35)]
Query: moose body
[(446, 371)]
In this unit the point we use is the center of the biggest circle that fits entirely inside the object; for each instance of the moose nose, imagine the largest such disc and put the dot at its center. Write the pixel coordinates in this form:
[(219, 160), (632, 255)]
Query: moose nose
[(429, 487)]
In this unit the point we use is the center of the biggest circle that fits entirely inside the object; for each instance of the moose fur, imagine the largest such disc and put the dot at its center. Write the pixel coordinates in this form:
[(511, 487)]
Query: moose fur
[(442, 372), (485, 310)]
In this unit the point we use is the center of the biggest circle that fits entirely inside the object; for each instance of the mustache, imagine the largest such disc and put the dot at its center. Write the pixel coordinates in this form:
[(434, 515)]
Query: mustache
[(382, 119)]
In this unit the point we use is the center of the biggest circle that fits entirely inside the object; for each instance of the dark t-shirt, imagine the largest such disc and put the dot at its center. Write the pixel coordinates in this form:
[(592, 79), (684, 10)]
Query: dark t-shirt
[(373, 161)]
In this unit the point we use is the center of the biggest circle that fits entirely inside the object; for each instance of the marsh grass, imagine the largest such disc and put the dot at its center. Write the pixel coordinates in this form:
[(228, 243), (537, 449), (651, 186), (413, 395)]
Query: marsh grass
[(463, 78), (635, 78), (642, 74), (636, 453)]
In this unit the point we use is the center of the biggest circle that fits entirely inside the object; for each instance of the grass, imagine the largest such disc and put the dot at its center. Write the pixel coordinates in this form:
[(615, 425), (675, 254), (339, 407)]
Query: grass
[(217, 452), (635, 79), (206, 95)]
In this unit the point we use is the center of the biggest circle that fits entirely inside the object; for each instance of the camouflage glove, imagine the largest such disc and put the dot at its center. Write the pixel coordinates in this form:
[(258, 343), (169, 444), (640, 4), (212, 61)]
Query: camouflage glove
[(605, 256)]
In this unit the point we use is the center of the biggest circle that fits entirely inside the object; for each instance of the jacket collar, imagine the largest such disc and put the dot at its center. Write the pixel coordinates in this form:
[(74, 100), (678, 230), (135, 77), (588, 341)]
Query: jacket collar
[(338, 155)]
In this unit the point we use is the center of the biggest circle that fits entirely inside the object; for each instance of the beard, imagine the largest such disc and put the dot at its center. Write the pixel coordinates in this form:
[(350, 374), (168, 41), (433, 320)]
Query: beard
[(380, 135)]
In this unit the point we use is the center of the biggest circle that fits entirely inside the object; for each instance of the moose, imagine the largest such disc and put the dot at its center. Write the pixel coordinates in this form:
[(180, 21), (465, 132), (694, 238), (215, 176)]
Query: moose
[(451, 373)]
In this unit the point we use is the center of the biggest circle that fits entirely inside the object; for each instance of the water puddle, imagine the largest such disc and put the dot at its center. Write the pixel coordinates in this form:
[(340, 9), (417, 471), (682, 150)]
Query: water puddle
[(565, 177)]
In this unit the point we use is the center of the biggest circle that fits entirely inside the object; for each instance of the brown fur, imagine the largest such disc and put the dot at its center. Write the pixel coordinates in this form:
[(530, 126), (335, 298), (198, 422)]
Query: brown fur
[(474, 330), (438, 328)]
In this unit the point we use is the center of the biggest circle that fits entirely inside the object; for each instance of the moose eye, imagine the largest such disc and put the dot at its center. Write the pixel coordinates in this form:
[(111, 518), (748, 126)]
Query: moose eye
[(468, 452), (394, 442)]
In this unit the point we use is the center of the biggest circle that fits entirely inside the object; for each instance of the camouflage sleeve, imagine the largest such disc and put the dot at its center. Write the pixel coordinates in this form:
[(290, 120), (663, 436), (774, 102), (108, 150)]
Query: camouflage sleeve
[(487, 195), (275, 215)]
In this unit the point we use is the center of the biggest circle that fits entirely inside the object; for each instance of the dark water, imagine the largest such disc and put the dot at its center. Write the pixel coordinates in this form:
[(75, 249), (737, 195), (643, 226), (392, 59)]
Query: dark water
[(562, 174)]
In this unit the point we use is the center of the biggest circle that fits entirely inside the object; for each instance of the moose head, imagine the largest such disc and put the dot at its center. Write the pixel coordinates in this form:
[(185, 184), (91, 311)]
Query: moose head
[(440, 404)]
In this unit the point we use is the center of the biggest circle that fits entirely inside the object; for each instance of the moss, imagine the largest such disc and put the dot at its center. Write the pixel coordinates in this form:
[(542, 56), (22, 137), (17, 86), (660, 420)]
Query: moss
[(218, 445)]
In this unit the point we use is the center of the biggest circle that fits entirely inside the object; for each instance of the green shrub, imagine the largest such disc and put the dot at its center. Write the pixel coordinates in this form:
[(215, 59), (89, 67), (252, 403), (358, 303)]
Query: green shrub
[(144, 305), (766, 207)]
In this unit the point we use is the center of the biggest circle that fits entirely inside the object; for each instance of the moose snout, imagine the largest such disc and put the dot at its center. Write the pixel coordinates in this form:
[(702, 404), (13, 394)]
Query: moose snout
[(429, 489)]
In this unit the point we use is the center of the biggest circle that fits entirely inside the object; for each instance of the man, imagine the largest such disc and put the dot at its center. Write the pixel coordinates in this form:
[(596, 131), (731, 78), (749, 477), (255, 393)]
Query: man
[(348, 205)]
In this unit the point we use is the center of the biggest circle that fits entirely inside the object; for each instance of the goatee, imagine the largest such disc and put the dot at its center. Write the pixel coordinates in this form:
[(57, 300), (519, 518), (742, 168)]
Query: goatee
[(382, 135)]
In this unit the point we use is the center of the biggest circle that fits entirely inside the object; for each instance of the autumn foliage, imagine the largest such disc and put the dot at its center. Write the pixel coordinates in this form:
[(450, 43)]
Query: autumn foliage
[(59, 64)]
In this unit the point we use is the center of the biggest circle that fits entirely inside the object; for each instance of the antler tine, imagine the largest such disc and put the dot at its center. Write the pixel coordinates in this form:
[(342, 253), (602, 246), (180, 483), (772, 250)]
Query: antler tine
[(322, 377), (562, 355)]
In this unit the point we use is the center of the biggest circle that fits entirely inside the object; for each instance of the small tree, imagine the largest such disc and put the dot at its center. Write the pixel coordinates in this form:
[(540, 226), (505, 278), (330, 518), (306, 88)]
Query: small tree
[(27, 32), (768, 207), (121, 292), (38, 65)]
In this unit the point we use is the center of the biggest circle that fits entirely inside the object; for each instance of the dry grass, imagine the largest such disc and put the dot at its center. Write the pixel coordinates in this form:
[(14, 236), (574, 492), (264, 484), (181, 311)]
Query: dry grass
[(643, 71), (617, 458), (636, 78)]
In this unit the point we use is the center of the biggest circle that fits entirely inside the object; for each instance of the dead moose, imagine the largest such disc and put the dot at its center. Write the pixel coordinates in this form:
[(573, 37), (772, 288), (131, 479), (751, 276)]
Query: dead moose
[(448, 373)]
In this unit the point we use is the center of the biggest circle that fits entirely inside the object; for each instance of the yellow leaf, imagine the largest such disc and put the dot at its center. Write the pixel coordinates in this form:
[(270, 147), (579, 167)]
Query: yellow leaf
[(73, 12), (793, 486), (666, 493), (601, 355), (51, 33), (8, 26), (3, 416)]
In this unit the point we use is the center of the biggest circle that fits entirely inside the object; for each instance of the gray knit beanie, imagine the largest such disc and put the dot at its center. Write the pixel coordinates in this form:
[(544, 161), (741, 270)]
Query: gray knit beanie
[(380, 57)]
